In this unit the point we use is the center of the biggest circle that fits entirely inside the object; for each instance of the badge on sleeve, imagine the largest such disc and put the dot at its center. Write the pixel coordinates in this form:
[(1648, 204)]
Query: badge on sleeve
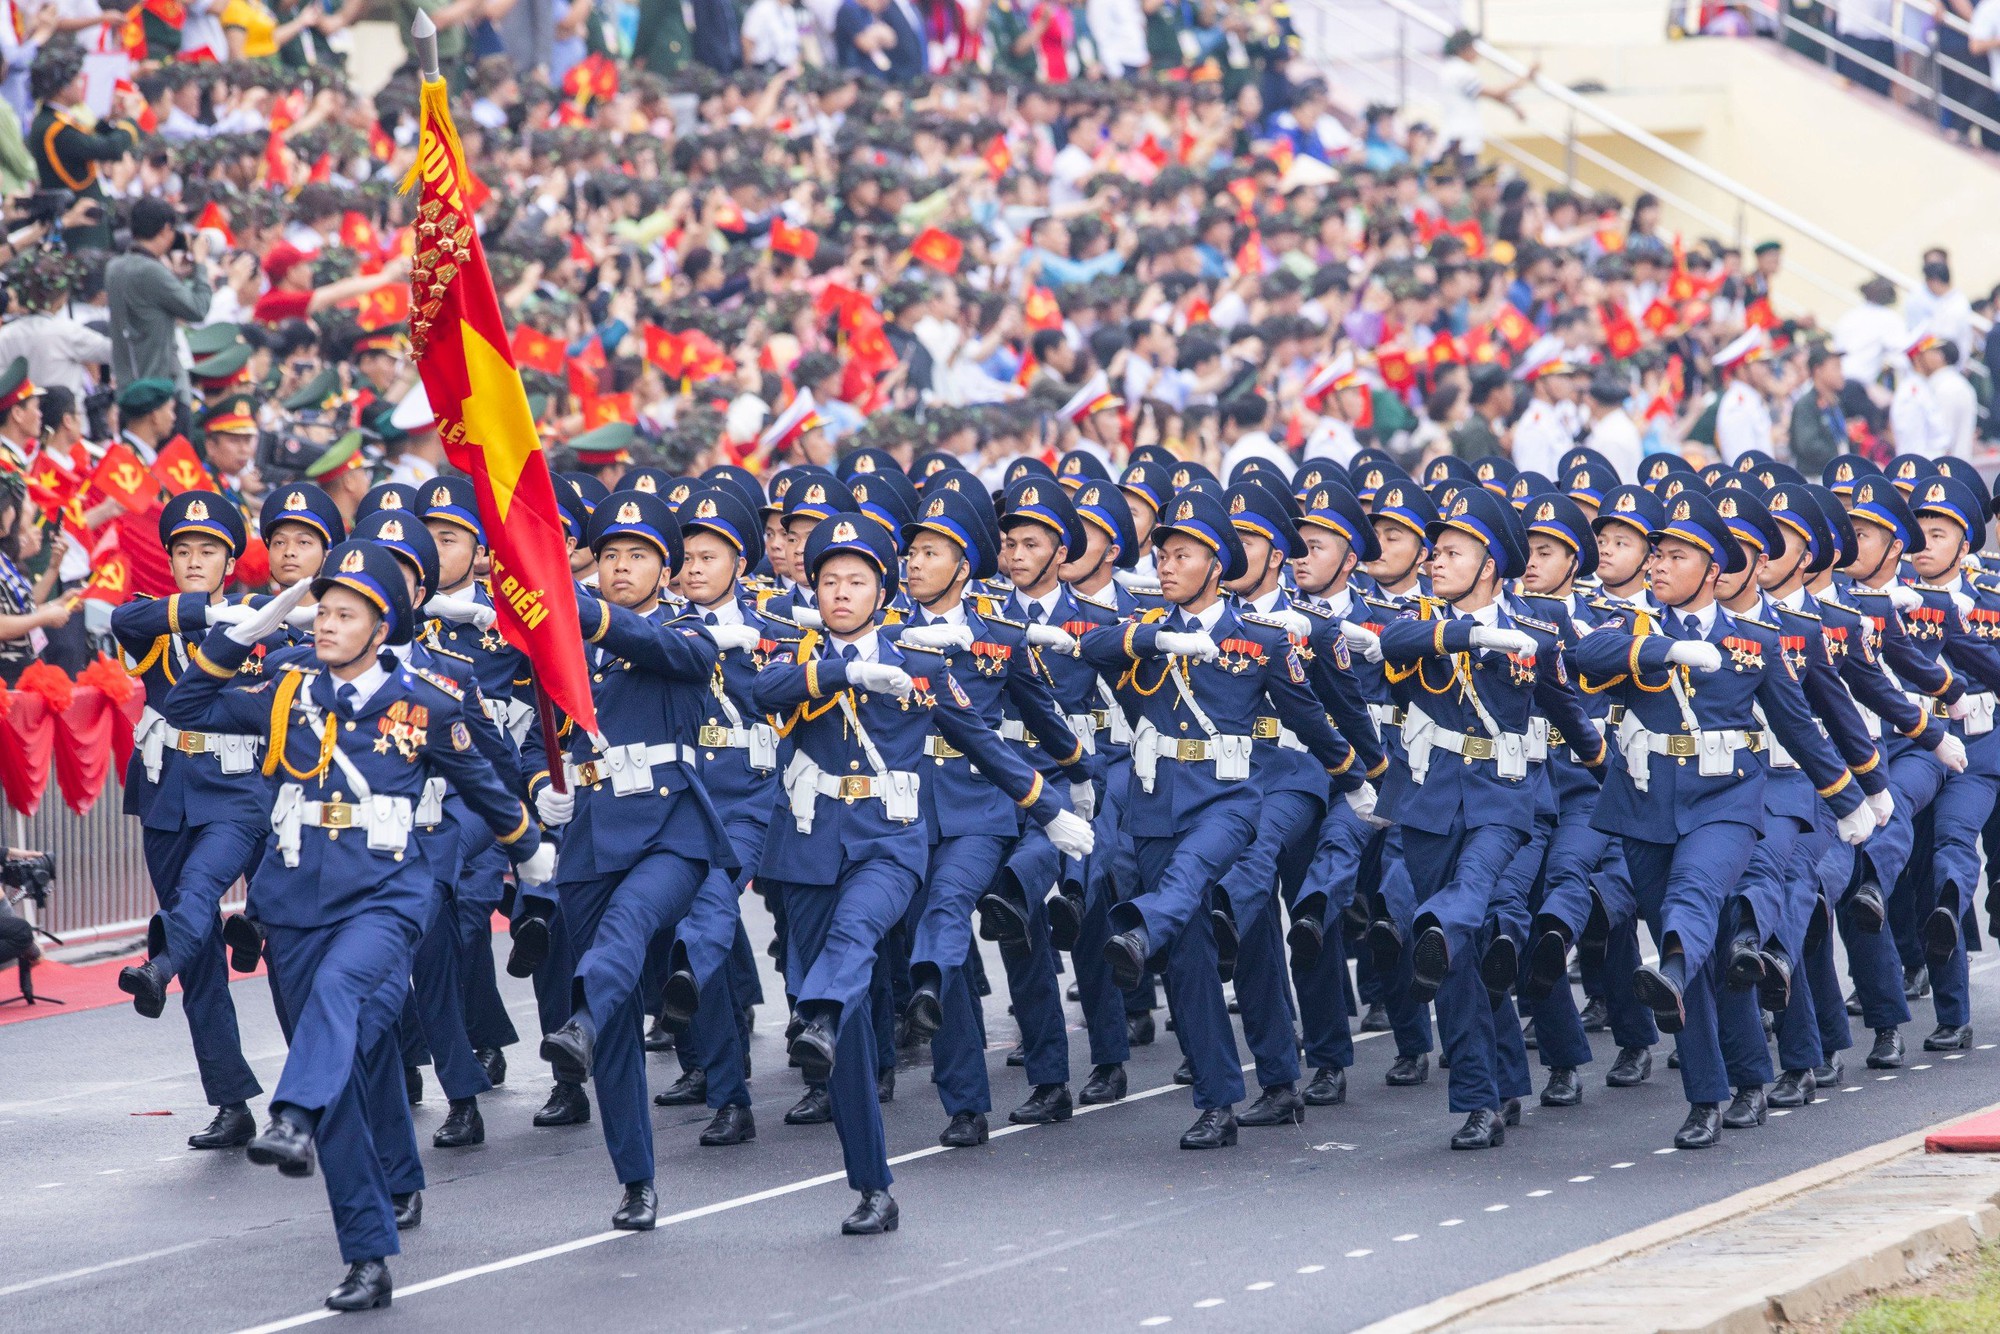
[(957, 691), (461, 737), (1293, 667)]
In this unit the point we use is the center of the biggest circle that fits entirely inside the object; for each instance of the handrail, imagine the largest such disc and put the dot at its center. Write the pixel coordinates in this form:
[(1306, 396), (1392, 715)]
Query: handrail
[(1619, 125), (1901, 80)]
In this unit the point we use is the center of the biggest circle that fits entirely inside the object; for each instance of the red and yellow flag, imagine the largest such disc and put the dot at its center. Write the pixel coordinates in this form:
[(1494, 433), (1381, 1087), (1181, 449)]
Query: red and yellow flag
[(460, 341), (179, 468)]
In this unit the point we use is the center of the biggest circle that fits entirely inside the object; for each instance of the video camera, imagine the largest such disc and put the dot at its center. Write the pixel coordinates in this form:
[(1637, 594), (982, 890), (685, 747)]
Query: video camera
[(31, 877)]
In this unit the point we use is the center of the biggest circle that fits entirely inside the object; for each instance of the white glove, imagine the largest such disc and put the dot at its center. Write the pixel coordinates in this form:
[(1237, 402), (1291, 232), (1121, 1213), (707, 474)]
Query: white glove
[(540, 868), (231, 613), (1951, 754), (807, 618), (268, 617), (1884, 806), (1903, 598), (555, 808), (464, 611), (733, 636), (1051, 636), (1071, 834), (1963, 603), (1083, 799), (879, 676), (1696, 653), (302, 618), (1855, 827), (1362, 801), (1362, 640), (938, 636), (1297, 624), (1187, 644), (1519, 643), (1958, 710)]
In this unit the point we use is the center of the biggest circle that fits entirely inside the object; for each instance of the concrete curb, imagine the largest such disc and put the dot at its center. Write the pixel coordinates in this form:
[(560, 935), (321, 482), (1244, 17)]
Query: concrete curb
[(1881, 1260)]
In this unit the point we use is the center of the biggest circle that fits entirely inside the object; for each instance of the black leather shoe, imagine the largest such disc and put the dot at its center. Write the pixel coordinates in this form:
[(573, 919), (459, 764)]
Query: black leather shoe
[(413, 1084), (1702, 1128), (1795, 1088), (232, 1128), (1632, 1068), (245, 940), (568, 1051), (1106, 1084), (813, 1050), (1747, 1109), (1430, 960), (1483, 1129), (1500, 966), (1528, 1038), (409, 1210), (966, 1131), (1126, 953), (1746, 966), (1213, 1129), (1307, 939), (493, 1060), (1385, 945), (814, 1109), (1548, 965), (1949, 1037), (1375, 1019), (1660, 994), (1409, 1071), (639, 1210), (1854, 1005), (1227, 941), (1327, 1089), (146, 984), (463, 1126), (285, 1145), (1774, 993), (1017, 1056), (876, 1214), (1867, 909), (1564, 1089), (1001, 920), (661, 1038), (1184, 1072), (568, 1105), (729, 1125), (1049, 1103), (1916, 982), (1831, 1075), (1940, 938), (885, 1087), (1595, 1015), (1278, 1105), (1065, 916), (1510, 1112), (1887, 1053), (679, 999), (366, 1288), (1139, 1030), (690, 1090), (530, 948)]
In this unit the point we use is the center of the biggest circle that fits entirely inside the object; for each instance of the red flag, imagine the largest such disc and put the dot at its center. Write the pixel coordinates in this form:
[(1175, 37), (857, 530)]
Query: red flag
[(582, 383), (1250, 259), (179, 468), (1479, 348), (591, 357), (1621, 335), (663, 350), (729, 216), (322, 170), (834, 299), (1759, 315), (357, 233), (868, 346), (1516, 329), (1282, 154), (796, 241), (214, 219), (124, 479), (1244, 191), (383, 307), (1394, 364), (110, 580), (1681, 286), (538, 351), (461, 347), (1472, 234), (1149, 149), (1026, 374), (1659, 316), (941, 250), (1444, 350), (380, 145), (1040, 309), (610, 408), (998, 157), (277, 162)]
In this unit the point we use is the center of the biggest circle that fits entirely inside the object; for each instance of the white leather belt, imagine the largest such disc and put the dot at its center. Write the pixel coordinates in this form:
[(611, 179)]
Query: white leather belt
[(629, 769), (1082, 725), (236, 752), (805, 783), (1386, 715), (386, 820), (1715, 749), (430, 806)]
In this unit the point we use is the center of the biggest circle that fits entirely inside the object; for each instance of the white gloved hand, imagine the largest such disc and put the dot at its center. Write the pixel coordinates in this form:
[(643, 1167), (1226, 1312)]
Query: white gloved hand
[(269, 616), (1083, 799), (1696, 653), (555, 808), (1297, 624), (231, 613), (1855, 827), (1963, 603), (540, 868), (879, 676), (1951, 754), (1051, 636), (807, 618), (302, 618), (1071, 834), (937, 636), (1519, 643), (1958, 710), (1903, 598), (1362, 640), (1362, 801), (462, 610), (1884, 806), (733, 636), (1187, 644)]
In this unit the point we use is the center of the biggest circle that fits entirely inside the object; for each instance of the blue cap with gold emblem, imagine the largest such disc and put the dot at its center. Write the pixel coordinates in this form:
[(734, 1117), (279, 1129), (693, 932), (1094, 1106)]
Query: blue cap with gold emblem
[(1691, 517), (1751, 522), (1587, 482), (1950, 498), (1079, 466), (1842, 471), (451, 500), (369, 569), (1187, 472), (1878, 501), (1104, 506), (1478, 513), (1525, 486), (1553, 514), (1445, 469), (1495, 472), (388, 496), (202, 513), (720, 510), (888, 497), (1909, 470), (1024, 467), (745, 482), (964, 520), (1577, 457), (638, 514), (853, 534), (1656, 468), (869, 460), (1404, 501), (1035, 501), (404, 534), (1204, 518), (1259, 512), (1338, 510), (1151, 482), (1632, 505), (1796, 510), (815, 493), (301, 503)]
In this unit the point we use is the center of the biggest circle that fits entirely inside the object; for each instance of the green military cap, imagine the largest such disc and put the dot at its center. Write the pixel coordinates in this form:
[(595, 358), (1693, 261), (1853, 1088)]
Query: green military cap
[(225, 365), (343, 456), (143, 396), (1766, 247), (208, 339), (605, 444), (314, 393), (538, 406), (15, 386)]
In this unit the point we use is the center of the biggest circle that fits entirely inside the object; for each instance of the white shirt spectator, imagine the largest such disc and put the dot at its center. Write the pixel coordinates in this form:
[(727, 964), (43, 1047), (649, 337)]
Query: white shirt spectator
[(1864, 18), (1913, 417), (1119, 29), (60, 351), (1459, 90), (771, 33), (1866, 336), (1615, 437), (1540, 439), (1985, 27), (1950, 318), (1255, 445), (1073, 166), (1742, 422), (1956, 415)]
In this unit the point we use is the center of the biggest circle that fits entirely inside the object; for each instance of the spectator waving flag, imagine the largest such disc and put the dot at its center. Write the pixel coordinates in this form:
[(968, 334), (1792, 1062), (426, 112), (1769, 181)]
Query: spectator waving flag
[(461, 346)]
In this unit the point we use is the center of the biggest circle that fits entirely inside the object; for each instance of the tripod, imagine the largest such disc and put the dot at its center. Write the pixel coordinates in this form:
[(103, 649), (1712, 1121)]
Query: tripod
[(25, 971)]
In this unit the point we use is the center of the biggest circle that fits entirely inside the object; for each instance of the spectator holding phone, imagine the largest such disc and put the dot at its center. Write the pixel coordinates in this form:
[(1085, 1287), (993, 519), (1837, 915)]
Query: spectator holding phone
[(155, 287), (25, 617)]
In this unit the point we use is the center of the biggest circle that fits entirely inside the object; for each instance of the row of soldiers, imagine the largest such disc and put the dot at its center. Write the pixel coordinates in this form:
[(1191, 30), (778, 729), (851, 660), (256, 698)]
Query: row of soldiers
[(1344, 738)]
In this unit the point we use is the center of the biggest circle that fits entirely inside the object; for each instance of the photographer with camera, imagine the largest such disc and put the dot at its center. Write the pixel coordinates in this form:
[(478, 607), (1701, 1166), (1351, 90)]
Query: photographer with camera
[(154, 288), (24, 874), (66, 152)]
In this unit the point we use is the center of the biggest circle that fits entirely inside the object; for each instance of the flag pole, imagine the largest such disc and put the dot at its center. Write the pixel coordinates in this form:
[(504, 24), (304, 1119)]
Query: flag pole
[(425, 34)]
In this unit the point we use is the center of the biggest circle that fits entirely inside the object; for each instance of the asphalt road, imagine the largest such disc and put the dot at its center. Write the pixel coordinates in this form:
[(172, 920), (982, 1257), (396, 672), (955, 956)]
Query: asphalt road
[(110, 1222)]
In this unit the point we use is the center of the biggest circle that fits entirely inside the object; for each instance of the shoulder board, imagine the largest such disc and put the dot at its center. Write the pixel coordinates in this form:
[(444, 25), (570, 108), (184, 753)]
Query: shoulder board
[(441, 652), (145, 597), (1751, 620), (1535, 624), (776, 619), (1381, 603), (986, 604), (1603, 604), (439, 680), (907, 649), (1799, 612), (893, 616), (764, 595), (1825, 600), (1258, 618), (1427, 605), (1989, 584), (1089, 601), (998, 619), (1313, 613)]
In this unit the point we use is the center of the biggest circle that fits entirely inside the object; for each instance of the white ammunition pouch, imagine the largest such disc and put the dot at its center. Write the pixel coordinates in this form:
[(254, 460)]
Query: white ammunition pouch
[(1112, 718), (1422, 735), (1978, 720), (430, 806), (386, 820), (235, 752), (629, 769), (512, 716)]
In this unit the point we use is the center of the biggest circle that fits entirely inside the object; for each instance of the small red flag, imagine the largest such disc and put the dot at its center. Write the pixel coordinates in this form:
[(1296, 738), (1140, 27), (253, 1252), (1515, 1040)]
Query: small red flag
[(357, 233), (380, 145), (1621, 335), (1759, 315), (1394, 364), (124, 479), (663, 350), (214, 219), (939, 249), (277, 162), (729, 216), (998, 157), (1659, 316), (1516, 329), (795, 241), (1041, 310), (1444, 350), (383, 307), (322, 170), (1472, 234), (607, 409), (537, 350), (1250, 259), (1149, 149), (582, 382), (110, 580), (179, 468), (591, 357)]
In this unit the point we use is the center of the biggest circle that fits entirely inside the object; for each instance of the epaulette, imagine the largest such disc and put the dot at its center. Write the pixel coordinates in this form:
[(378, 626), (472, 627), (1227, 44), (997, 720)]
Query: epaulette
[(1382, 604), (1258, 618), (442, 652), (1317, 613), (1800, 612), (1534, 623), (1089, 601), (1152, 615), (1751, 620), (998, 619), (763, 595), (440, 680), (1604, 604), (1826, 600), (776, 619), (918, 648)]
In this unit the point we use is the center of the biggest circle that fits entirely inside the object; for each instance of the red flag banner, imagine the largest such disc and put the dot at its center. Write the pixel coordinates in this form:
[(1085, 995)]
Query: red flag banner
[(795, 241), (1514, 327), (179, 468), (1659, 316), (1621, 335), (383, 307), (110, 580), (122, 477), (1041, 310), (536, 350), (214, 219), (461, 346), (939, 249), (663, 350)]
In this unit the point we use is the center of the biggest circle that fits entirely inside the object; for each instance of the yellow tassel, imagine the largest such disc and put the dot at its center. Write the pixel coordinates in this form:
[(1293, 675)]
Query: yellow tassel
[(436, 130)]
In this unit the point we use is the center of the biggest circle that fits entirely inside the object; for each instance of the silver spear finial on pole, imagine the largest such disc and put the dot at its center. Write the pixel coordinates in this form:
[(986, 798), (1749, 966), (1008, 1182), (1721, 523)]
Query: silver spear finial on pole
[(425, 34)]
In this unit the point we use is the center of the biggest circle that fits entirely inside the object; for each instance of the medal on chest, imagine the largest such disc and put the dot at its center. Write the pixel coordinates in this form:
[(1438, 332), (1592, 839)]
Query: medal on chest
[(404, 728)]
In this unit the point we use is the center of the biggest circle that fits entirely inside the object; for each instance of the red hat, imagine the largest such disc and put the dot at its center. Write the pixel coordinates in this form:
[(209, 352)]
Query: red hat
[(282, 259)]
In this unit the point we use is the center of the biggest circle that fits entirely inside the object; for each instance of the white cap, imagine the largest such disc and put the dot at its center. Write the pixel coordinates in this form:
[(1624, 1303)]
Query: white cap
[(414, 413), (1744, 348), (745, 417), (794, 420)]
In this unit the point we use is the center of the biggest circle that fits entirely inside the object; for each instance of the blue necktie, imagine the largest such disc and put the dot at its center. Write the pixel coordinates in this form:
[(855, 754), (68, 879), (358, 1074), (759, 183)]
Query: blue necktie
[(347, 695), (850, 652), (708, 618), (1035, 613)]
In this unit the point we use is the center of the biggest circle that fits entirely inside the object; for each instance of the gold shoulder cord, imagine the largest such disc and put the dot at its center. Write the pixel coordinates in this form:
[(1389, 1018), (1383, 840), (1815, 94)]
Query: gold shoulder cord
[(281, 720)]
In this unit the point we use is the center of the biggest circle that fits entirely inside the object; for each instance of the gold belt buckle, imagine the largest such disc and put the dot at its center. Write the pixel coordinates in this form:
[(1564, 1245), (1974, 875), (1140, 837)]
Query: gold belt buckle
[(336, 815), (1478, 748), (943, 750), (192, 743), (1265, 729), (714, 736), (1753, 741), (855, 788), (1100, 719), (1555, 736), (590, 772), (1615, 715), (1191, 752), (1683, 746)]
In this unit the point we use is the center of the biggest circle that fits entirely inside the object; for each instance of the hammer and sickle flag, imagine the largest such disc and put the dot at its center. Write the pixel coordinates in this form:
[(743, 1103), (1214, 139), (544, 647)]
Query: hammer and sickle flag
[(488, 432)]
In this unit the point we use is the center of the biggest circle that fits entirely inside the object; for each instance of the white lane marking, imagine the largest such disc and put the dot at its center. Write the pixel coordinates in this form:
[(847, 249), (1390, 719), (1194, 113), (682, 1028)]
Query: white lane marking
[(1495, 1208), (1356, 1255), (100, 1268), (1152, 1320), (1956, 1056), (1578, 1181), (111, 1171), (1259, 1286), (1537, 1194), (1661, 1153), (1781, 1111), (1619, 1167), (1920, 1067), (1451, 1222), (1207, 1302), (1883, 1079), (1308, 1269), (1407, 1236), (48, 1185)]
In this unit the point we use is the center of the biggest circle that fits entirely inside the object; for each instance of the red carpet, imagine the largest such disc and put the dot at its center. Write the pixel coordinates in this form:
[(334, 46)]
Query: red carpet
[(1978, 1134), (90, 986)]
